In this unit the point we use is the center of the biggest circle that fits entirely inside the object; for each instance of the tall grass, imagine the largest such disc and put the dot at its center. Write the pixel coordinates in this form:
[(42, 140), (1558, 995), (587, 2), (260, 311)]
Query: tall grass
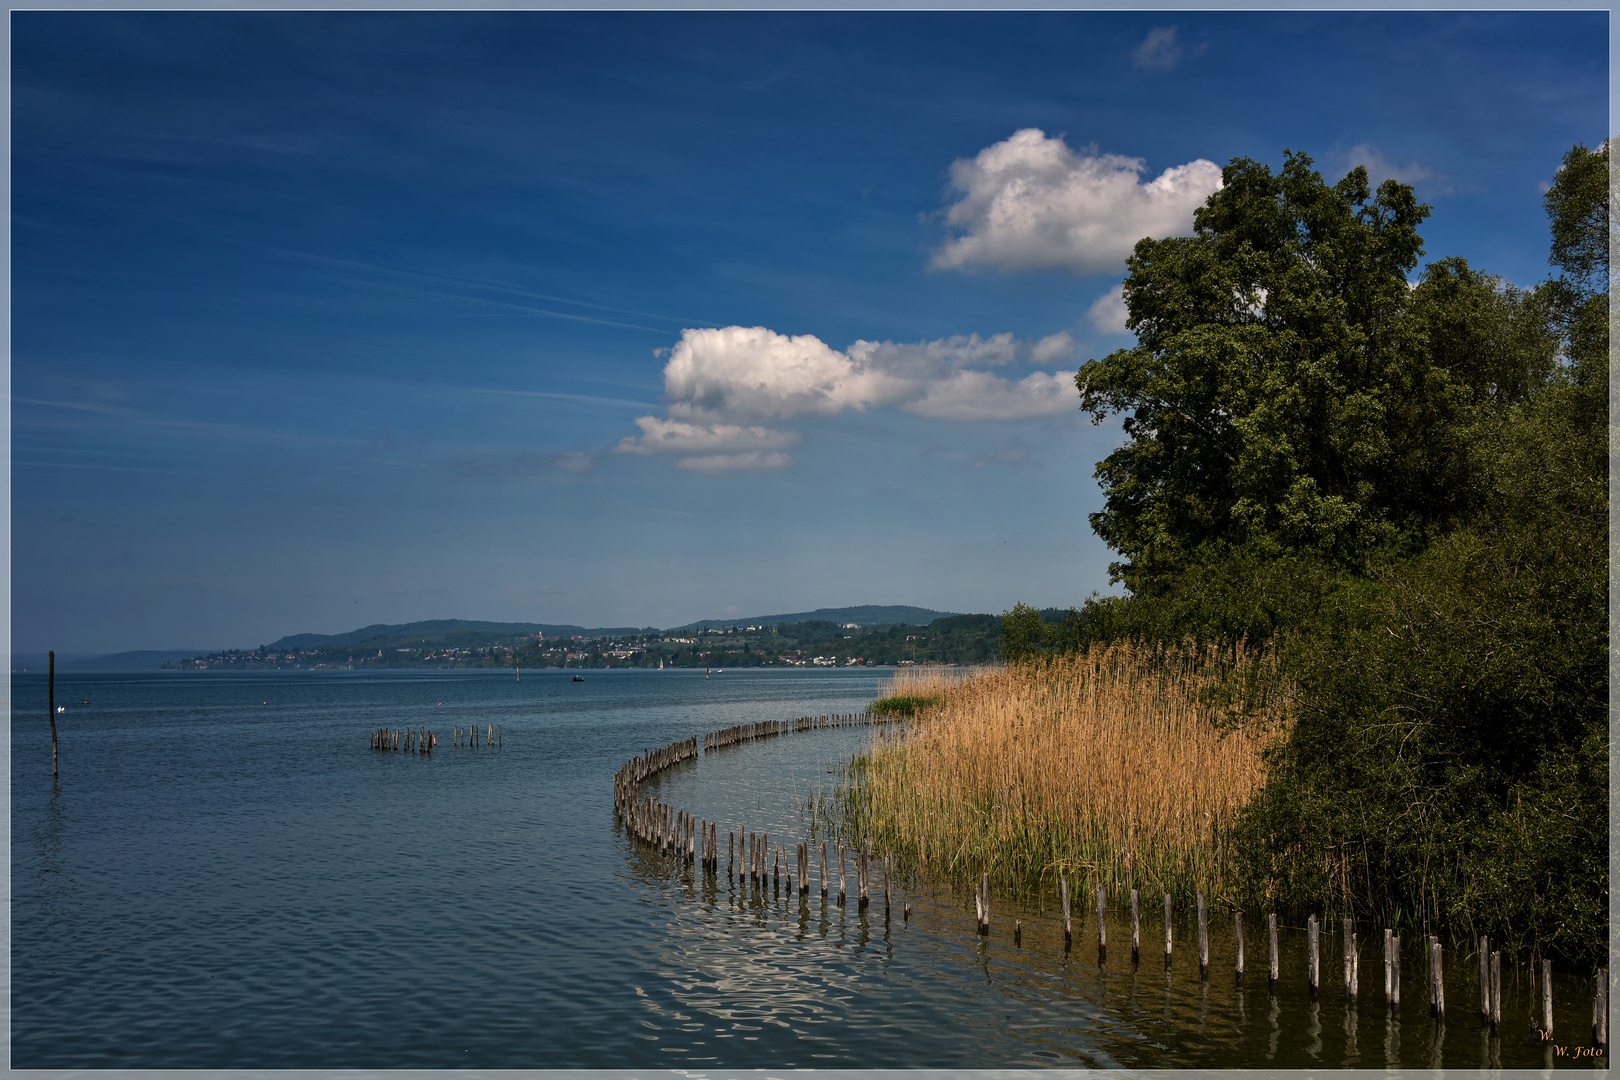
[(1122, 765)]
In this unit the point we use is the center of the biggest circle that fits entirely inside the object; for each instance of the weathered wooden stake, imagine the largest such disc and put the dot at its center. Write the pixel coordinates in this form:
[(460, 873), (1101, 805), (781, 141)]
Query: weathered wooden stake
[(1349, 960), (1546, 997), (1063, 895), (1018, 933), (1437, 979), (1485, 977), (1496, 990), (888, 868), (1395, 972), (840, 877), (1102, 921), (1389, 959), (1203, 938), (1166, 930), (1313, 950), (865, 897), (1272, 935), (1238, 920), (824, 869), (50, 705), (1600, 1004), (1136, 929)]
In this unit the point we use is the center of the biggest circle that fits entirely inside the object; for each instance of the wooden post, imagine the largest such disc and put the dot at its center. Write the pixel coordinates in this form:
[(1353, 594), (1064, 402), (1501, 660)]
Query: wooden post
[(1271, 979), (1102, 920), (1238, 920), (862, 882), (1136, 929), (1600, 1003), (1018, 933), (1395, 972), (1389, 957), (1313, 947), (50, 706), (840, 877), (888, 872), (1546, 997), (1063, 895), (1349, 960), (1496, 990), (1437, 976), (1485, 977), (1203, 938), (824, 869), (1167, 930)]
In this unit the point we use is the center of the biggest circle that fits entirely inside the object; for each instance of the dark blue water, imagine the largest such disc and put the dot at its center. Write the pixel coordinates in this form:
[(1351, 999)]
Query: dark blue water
[(227, 876)]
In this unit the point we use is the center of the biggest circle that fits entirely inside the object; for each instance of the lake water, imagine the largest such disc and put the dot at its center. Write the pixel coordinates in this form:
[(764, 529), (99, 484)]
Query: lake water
[(227, 876)]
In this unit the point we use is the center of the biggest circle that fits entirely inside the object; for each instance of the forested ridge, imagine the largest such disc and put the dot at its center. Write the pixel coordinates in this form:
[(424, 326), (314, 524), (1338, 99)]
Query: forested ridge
[(1398, 486)]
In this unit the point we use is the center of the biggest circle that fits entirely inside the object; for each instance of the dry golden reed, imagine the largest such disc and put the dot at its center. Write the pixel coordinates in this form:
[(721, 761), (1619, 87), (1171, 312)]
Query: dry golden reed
[(1117, 766)]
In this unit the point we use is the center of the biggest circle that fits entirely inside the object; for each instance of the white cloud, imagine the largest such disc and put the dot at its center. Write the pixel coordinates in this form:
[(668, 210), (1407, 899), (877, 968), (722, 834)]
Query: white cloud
[(1056, 347), (724, 387), (1031, 203), (1159, 51), (980, 395), (1108, 312), (753, 460)]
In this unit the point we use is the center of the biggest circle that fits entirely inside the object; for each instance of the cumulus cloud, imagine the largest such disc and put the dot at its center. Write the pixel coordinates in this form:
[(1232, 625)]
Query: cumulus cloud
[(1159, 51), (981, 395), (1108, 312), (1056, 347), (1031, 203), (726, 387)]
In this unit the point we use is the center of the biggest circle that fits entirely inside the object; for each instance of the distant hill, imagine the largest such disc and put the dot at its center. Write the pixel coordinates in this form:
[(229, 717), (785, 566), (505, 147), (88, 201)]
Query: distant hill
[(138, 660), (865, 615), (435, 630)]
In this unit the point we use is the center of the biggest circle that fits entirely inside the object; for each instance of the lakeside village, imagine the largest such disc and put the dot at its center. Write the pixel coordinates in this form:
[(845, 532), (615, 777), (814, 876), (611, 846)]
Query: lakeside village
[(957, 639)]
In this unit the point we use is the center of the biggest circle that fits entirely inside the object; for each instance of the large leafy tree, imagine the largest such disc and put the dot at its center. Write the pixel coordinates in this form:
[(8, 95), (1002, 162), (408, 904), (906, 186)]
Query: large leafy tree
[(1290, 390)]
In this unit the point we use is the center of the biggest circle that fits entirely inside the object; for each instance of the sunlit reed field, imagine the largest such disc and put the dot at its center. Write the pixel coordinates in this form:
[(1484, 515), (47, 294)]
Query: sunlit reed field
[(1119, 766)]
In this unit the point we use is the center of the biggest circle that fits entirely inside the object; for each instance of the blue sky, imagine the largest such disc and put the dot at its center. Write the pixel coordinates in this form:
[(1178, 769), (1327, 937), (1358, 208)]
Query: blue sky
[(320, 320)]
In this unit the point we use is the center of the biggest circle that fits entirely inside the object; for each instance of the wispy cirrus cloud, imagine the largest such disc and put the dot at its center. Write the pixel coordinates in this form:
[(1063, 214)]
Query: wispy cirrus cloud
[(1029, 202), (726, 387)]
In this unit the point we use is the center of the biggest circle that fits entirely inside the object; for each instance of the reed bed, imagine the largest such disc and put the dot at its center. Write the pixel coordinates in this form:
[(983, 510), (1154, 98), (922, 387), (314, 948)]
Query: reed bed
[(1119, 766)]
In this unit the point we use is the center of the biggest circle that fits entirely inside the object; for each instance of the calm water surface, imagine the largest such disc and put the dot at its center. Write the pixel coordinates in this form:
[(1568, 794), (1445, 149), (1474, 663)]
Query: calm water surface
[(227, 876)]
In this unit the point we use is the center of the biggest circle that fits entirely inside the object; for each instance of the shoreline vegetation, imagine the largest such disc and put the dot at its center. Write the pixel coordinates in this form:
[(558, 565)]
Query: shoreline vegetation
[(1122, 766), (1393, 484)]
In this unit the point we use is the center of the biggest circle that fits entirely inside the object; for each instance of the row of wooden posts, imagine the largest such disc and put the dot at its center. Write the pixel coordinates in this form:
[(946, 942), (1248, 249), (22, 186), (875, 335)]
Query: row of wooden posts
[(420, 741), (423, 741), (698, 841)]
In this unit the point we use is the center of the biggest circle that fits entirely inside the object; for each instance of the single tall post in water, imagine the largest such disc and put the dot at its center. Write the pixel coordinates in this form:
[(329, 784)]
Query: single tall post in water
[(1496, 990), (1313, 946), (1102, 921), (1485, 977), (1437, 979), (1349, 960), (1136, 929), (50, 706), (1389, 961), (1600, 1003), (1063, 894), (824, 869), (1546, 997), (1203, 938), (1167, 930), (1238, 921), (1271, 978), (1395, 972)]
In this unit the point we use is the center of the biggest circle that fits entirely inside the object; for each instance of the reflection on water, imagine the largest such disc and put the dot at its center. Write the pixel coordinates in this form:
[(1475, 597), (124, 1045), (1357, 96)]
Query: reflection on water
[(227, 858)]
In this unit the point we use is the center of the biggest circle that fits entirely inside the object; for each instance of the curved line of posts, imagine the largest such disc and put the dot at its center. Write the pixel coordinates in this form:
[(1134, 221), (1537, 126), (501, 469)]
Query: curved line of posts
[(697, 841)]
